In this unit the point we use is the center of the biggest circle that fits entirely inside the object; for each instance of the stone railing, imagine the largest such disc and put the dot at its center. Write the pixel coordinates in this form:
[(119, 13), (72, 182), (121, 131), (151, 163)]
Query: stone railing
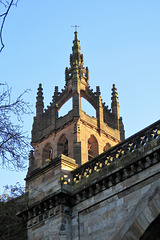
[(114, 155)]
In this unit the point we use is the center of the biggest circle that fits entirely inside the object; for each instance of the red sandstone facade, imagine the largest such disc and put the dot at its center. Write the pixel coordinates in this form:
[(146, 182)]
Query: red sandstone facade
[(113, 196), (76, 135)]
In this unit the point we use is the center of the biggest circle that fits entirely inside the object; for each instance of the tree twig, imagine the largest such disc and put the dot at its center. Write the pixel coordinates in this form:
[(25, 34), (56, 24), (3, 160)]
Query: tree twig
[(4, 15)]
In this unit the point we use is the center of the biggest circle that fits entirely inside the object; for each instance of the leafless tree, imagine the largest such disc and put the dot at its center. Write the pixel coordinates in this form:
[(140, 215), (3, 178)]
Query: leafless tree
[(6, 6), (14, 144), (12, 191)]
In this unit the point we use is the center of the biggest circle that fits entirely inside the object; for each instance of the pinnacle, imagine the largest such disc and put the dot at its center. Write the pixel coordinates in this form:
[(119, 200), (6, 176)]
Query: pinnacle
[(114, 93), (39, 103), (40, 95), (40, 91)]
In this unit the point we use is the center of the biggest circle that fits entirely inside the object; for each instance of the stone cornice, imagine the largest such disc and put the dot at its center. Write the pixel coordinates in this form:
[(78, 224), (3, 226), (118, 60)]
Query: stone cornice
[(62, 160)]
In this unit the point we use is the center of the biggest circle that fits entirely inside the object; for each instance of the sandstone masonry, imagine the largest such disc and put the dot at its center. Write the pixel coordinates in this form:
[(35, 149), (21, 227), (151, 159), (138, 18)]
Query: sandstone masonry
[(85, 181)]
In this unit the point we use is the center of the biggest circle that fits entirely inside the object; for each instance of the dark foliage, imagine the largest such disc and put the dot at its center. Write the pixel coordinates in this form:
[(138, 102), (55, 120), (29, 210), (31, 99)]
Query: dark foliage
[(11, 226)]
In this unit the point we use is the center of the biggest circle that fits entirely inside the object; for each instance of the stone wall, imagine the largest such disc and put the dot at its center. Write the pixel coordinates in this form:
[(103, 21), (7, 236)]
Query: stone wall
[(110, 213), (55, 225), (124, 211), (114, 196)]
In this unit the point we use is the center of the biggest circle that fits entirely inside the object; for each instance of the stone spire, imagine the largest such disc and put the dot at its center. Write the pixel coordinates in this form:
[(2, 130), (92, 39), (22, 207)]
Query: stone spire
[(76, 59), (39, 103), (115, 105), (76, 52)]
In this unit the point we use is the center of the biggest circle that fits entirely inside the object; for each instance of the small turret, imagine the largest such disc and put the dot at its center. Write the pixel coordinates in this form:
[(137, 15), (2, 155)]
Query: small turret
[(39, 103)]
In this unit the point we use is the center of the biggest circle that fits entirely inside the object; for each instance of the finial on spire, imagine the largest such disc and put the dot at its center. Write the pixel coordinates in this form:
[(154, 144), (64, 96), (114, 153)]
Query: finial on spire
[(75, 26)]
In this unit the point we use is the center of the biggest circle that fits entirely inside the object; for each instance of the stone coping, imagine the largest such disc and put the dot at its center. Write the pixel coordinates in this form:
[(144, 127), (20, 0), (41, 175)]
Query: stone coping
[(60, 160)]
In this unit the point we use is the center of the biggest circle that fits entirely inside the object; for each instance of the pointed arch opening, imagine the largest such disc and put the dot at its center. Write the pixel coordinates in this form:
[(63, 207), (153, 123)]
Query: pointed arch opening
[(106, 147), (92, 147), (87, 107), (65, 108), (47, 153), (153, 231), (62, 146)]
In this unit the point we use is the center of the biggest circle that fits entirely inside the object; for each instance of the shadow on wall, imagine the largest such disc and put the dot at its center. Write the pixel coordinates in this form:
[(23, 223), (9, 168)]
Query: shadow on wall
[(92, 147), (62, 146)]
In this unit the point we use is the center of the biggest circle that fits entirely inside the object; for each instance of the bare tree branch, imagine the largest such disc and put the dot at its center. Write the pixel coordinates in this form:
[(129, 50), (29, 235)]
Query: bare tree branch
[(12, 191), (14, 144), (7, 6)]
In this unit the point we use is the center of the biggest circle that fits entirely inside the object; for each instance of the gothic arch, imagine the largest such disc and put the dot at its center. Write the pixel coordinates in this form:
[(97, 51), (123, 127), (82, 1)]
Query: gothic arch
[(146, 214), (92, 147), (87, 96), (153, 231), (47, 153), (62, 145), (63, 98), (87, 107), (66, 108)]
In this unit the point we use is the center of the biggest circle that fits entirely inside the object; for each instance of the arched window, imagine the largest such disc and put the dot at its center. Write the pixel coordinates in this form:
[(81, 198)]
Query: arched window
[(62, 146), (92, 147), (106, 147), (47, 153)]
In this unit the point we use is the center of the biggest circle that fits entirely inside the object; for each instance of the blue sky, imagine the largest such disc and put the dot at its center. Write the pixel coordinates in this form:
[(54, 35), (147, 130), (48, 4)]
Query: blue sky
[(120, 40)]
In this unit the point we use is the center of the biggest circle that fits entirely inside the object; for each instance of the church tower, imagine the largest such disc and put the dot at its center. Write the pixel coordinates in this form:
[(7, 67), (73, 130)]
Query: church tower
[(76, 135), (74, 190), (62, 145)]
